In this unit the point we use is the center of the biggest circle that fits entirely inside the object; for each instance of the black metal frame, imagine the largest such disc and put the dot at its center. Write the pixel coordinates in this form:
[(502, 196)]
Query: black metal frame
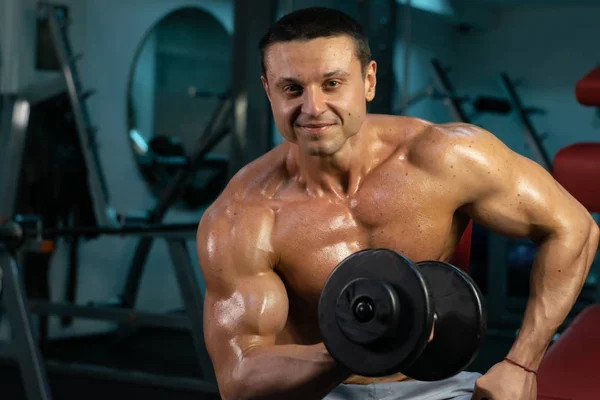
[(216, 130), (452, 99), (252, 134), (441, 87), (104, 212), (534, 140), (24, 349)]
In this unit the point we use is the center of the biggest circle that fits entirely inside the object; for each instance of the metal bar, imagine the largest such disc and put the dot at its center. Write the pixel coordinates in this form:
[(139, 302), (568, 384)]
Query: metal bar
[(13, 158), (451, 98), (105, 214), (531, 136), (125, 316), (379, 19), (218, 129), (253, 127), (185, 230), (193, 300), (135, 377), (26, 351), (15, 235)]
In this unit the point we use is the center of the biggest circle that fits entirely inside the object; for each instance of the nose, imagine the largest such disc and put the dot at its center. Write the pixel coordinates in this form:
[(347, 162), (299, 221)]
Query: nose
[(313, 102)]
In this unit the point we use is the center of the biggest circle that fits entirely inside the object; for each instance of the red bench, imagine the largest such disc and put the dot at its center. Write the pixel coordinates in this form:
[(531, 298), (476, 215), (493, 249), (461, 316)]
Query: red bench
[(569, 370)]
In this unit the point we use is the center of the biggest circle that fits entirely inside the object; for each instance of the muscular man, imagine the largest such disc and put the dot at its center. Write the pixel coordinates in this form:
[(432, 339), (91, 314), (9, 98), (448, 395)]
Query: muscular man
[(343, 181)]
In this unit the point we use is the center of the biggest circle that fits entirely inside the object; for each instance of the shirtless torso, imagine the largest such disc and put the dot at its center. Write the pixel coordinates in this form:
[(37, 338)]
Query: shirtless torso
[(268, 244), (398, 205)]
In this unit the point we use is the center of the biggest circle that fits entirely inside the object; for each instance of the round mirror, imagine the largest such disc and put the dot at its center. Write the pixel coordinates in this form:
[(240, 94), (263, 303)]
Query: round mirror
[(179, 83)]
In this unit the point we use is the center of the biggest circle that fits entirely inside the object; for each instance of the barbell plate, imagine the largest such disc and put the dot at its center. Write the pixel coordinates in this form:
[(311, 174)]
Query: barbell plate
[(460, 323), (389, 355)]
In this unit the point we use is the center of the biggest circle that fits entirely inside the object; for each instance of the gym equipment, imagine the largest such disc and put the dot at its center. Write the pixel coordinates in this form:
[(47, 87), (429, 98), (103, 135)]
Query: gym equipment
[(23, 347), (58, 109), (22, 115), (577, 168), (587, 89), (170, 98), (69, 86), (442, 89), (377, 310), (27, 231), (569, 368), (460, 323), (57, 23), (532, 138), (216, 130), (15, 233)]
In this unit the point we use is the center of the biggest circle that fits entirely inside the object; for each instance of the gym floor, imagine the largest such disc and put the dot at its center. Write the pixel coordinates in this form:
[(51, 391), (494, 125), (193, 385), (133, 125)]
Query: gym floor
[(155, 351)]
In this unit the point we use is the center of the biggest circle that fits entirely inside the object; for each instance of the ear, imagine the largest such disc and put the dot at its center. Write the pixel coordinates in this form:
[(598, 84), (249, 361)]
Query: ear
[(266, 86), (370, 80)]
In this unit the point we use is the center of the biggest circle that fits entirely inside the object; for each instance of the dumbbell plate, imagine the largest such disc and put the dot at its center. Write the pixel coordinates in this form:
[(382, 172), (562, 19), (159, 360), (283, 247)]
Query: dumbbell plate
[(416, 317), (460, 323)]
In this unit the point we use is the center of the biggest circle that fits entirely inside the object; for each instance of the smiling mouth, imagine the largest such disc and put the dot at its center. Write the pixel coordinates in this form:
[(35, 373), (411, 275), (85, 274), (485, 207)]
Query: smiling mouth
[(316, 129)]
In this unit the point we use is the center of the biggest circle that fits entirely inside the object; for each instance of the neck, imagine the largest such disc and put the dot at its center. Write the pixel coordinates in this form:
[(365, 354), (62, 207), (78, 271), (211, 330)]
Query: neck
[(339, 174)]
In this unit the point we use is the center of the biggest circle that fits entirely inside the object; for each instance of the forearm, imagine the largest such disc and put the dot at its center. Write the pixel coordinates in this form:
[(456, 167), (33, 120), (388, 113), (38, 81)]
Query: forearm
[(559, 272), (288, 371)]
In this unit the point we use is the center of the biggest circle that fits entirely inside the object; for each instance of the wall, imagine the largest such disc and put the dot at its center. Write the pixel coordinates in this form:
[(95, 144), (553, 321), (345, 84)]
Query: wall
[(550, 48), (193, 50), (143, 88), (432, 36), (17, 35)]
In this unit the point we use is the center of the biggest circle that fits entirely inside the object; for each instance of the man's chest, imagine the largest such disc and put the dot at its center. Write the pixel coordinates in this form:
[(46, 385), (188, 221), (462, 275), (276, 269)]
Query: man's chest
[(313, 236)]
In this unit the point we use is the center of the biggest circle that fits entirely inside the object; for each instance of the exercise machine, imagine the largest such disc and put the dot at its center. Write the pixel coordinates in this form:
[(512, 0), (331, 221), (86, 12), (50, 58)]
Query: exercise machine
[(39, 235), (532, 137), (441, 88), (28, 231), (568, 370)]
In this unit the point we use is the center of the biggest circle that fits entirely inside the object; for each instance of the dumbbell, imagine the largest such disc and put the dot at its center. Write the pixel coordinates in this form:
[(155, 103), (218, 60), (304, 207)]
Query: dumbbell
[(378, 308)]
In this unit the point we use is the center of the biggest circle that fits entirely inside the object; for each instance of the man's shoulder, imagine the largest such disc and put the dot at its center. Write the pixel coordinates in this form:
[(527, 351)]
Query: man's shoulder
[(446, 134), (258, 179), (452, 145), (246, 197)]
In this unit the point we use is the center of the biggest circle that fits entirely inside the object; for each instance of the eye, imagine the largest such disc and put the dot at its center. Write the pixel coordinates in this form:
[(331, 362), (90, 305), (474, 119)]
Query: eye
[(332, 84), (292, 89)]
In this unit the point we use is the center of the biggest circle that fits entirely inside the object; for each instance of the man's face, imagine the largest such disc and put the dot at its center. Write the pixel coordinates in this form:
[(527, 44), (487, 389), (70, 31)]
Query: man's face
[(318, 92)]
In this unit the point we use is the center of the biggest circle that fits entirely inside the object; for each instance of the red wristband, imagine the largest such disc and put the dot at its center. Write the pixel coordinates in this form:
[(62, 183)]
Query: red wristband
[(521, 366)]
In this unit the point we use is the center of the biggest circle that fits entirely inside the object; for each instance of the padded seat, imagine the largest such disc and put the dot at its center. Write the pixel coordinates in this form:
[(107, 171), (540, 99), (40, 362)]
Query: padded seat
[(587, 89), (570, 367), (577, 169)]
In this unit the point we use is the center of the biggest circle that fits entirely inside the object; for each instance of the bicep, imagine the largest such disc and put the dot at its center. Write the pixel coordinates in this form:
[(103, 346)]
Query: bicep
[(246, 302), (251, 313)]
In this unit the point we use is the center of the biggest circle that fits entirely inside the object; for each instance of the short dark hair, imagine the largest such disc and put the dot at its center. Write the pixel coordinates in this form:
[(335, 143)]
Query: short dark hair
[(316, 22)]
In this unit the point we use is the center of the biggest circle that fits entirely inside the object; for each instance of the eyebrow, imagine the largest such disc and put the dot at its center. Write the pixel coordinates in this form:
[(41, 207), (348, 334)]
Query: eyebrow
[(338, 72)]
